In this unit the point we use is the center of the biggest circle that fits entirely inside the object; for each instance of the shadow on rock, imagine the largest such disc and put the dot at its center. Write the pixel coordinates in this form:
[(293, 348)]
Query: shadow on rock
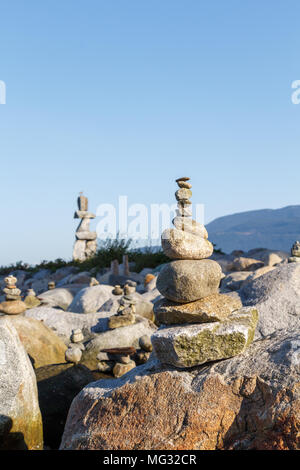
[(10, 440), (58, 384)]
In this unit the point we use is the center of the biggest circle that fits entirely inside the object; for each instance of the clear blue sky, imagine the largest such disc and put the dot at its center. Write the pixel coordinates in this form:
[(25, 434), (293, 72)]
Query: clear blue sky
[(118, 97)]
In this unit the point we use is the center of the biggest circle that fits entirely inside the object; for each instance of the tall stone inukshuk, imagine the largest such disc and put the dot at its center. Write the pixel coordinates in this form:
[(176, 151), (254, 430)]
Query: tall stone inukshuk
[(295, 252), (197, 324), (86, 241)]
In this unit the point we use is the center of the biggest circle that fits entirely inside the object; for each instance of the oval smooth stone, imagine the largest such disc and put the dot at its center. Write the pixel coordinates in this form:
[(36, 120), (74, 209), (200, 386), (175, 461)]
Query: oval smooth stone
[(178, 244), (191, 226), (182, 194), (184, 281)]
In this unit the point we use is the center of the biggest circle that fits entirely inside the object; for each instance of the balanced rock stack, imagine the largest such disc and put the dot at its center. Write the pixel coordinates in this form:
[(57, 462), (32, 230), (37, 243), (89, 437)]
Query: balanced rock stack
[(295, 252), (117, 360), (198, 324), (86, 245), (75, 348), (31, 299), (126, 311), (13, 304)]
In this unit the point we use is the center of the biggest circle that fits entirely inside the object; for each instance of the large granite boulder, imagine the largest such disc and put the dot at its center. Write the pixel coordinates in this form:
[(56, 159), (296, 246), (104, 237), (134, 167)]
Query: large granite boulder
[(90, 299), (276, 294), (234, 280), (251, 401), (40, 342), (20, 418), (59, 297), (246, 264), (63, 323)]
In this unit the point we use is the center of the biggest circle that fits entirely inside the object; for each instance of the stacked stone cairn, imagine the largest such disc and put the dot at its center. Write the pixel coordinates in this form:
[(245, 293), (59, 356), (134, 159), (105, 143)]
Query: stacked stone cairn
[(197, 324), (86, 245), (13, 304), (76, 346), (295, 252), (127, 308), (122, 360), (94, 282), (116, 360), (31, 299)]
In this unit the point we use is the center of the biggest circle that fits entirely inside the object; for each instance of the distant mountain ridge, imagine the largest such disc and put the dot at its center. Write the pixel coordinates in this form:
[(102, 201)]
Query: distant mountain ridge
[(275, 229)]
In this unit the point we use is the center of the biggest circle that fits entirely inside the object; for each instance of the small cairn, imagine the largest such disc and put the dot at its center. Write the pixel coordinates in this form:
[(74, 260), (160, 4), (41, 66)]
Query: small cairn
[(51, 285), (143, 355), (117, 290), (86, 245), (31, 299), (75, 348), (295, 252), (126, 311), (94, 282), (116, 360), (197, 324), (13, 304)]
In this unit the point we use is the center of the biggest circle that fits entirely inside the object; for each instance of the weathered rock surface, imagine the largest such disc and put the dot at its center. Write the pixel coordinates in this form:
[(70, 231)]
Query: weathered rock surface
[(215, 307), (63, 323), (20, 417), (179, 244), (57, 386), (90, 299), (246, 264), (235, 280), (251, 401), (118, 338), (188, 280), (192, 345), (59, 297), (277, 297), (40, 342), (152, 296)]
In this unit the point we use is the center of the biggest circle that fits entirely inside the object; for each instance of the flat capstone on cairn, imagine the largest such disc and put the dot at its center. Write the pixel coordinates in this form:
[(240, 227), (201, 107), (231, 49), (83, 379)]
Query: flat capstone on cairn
[(116, 360), (119, 361), (13, 304), (295, 252), (85, 245), (197, 324)]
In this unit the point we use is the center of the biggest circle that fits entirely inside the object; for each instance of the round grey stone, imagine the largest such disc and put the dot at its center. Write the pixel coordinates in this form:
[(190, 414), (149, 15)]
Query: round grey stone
[(188, 280)]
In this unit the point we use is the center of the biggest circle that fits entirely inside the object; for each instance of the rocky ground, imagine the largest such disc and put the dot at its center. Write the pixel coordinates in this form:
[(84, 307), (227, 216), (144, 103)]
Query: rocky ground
[(71, 394)]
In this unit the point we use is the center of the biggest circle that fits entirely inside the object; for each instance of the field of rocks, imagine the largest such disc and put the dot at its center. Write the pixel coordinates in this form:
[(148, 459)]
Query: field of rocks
[(201, 352)]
